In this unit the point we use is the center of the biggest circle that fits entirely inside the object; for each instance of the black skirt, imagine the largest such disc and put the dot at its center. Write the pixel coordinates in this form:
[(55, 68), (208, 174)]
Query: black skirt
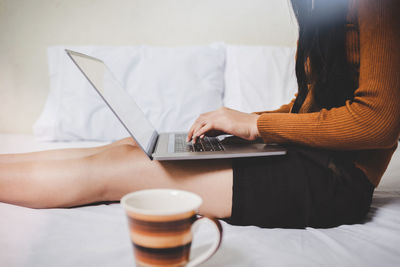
[(305, 188)]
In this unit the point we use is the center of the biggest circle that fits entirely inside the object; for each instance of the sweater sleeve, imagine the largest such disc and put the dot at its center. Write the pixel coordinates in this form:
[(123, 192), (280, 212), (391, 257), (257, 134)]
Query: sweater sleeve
[(372, 119)]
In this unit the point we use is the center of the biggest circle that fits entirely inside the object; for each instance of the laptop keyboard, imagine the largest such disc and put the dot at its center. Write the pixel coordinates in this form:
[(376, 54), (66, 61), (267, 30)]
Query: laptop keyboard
[(202, 145)]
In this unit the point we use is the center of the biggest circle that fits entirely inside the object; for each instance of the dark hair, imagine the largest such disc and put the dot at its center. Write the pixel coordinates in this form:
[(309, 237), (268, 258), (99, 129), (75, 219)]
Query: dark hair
[(321, 53)]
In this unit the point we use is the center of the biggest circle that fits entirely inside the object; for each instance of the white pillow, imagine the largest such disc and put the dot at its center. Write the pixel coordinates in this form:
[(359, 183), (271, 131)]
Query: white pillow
[(259, 78), (171, 85)]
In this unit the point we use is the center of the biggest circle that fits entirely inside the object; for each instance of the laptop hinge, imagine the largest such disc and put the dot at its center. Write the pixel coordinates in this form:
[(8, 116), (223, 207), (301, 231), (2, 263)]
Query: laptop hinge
[(152, 144)]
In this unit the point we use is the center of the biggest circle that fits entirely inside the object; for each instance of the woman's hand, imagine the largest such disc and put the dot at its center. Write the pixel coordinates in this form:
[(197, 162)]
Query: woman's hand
[(225, 120)]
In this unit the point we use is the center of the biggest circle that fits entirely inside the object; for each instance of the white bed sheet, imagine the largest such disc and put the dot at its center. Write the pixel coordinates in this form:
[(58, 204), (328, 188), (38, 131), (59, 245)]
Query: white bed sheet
[(98, 235)]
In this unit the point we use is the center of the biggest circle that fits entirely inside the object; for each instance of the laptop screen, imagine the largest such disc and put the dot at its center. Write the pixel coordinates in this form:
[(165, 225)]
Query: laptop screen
[(117, 99)]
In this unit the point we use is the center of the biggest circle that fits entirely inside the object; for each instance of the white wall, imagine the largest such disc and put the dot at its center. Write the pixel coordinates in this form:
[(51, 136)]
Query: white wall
[(28, 27)]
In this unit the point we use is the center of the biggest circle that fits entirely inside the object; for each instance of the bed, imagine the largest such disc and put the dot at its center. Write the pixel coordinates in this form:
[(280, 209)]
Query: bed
[(98, 235)]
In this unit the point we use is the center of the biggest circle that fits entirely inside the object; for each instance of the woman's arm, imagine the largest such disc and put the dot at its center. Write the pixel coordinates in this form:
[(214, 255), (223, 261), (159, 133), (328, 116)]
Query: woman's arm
[(372, 119)]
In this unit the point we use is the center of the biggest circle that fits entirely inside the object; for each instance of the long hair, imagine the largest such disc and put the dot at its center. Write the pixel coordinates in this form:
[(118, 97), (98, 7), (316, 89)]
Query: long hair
[(321, 54)]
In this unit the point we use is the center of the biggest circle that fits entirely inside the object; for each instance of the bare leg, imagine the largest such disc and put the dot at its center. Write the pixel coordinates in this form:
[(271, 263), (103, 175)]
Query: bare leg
[(59, 154), (109, 175)]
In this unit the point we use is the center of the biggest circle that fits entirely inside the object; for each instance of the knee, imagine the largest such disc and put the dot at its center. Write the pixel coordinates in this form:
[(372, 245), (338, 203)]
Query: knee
[(125, 148), (109, 166), (125, 141), (125, 152), (118, 152)]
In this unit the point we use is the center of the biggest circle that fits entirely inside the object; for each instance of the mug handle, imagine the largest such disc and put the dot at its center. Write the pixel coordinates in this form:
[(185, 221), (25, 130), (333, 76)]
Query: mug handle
[(214, 246)]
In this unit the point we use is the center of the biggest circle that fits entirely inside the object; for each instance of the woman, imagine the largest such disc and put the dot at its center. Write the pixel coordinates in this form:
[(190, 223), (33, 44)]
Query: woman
[(341, 131)]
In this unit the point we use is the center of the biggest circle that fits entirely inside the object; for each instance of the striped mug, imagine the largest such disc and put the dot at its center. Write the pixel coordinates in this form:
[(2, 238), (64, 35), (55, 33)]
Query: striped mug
[(160, 225)]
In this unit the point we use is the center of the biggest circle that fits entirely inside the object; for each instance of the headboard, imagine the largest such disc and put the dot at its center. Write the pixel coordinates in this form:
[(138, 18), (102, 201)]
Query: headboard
[(29, 27)]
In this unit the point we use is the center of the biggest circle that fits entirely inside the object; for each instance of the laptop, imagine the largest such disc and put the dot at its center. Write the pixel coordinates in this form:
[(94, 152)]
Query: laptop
[(162, 146)]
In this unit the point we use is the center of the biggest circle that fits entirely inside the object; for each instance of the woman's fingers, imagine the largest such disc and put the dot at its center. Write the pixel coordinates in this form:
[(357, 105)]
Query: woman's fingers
[(193, 130), (190, 134), (198, 124), (195, 134), (203, 130), (203, 124)]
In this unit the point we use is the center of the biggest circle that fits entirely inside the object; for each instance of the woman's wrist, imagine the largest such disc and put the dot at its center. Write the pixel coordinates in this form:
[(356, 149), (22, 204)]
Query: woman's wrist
[(255, 132)]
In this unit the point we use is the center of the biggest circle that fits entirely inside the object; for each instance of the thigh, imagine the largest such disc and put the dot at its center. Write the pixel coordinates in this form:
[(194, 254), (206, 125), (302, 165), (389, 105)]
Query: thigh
[(125, 168)]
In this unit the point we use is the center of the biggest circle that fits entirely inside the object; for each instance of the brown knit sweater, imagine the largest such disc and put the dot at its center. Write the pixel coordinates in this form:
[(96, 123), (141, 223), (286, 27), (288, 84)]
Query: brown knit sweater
[(369, 125)]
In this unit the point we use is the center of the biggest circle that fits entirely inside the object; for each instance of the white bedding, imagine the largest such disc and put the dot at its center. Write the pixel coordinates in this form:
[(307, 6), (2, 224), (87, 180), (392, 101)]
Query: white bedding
[(98, 235)]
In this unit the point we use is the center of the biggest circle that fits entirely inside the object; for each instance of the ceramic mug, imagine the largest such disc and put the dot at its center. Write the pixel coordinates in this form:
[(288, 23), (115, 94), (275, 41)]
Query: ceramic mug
[(160, 224)]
